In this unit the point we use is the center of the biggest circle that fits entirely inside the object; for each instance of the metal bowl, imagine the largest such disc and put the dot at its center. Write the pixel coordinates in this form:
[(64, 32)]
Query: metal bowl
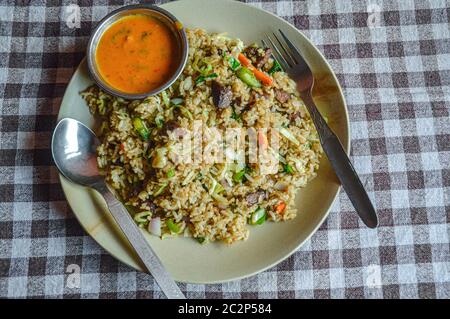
[(162, 15)]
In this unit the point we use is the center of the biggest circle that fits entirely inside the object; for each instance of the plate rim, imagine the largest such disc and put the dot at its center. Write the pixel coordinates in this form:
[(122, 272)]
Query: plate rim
[(64, 181)]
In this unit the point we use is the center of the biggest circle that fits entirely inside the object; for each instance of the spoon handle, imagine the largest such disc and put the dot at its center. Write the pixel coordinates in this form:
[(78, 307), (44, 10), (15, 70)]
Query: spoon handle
[(142, 248)]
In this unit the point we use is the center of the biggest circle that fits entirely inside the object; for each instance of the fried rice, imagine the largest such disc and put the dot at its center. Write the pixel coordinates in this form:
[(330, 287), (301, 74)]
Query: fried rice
[(199, 199)]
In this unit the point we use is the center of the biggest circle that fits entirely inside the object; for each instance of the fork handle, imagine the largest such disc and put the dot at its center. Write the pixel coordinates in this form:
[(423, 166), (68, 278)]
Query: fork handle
[(342, 166)]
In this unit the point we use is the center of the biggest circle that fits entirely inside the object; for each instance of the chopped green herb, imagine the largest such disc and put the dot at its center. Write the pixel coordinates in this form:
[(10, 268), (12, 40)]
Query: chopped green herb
[(239, 176), (161, 189), (235, 116), (165, 98), (201, 240), (159, 120), (202, 67), (200, 79), (233, 63), (141, 217), (203, 78), (258, 217), (171, 173), (276, 67), (288, 169), (173, 227), (206, 69), (141, 128)]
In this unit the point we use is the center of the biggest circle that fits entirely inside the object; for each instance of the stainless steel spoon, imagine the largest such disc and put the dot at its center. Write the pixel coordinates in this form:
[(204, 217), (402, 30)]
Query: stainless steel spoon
[(73, 150)]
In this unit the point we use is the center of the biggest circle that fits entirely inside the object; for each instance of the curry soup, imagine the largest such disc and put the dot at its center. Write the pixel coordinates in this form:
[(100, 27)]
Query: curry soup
[(137, 54)]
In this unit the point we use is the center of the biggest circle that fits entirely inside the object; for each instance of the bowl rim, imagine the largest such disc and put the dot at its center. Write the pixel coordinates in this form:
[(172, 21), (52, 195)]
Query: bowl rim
[(91, 47)]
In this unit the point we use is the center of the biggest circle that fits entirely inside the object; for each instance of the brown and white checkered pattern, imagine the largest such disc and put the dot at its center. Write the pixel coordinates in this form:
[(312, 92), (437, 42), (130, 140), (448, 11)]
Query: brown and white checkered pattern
[(396, 79)]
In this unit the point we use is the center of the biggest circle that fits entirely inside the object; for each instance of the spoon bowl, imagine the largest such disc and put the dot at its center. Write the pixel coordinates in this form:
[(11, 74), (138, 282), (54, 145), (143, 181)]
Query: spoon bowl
[(73, 150)]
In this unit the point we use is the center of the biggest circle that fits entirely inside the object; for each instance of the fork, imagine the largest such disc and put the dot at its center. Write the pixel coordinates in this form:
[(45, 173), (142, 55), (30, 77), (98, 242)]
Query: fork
[(296, 67)]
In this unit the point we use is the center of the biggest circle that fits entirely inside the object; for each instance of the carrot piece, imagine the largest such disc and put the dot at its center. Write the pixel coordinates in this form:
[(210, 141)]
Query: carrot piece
[(263, 77), (122, 147), (244, 60), (260, 75), (280, 207)]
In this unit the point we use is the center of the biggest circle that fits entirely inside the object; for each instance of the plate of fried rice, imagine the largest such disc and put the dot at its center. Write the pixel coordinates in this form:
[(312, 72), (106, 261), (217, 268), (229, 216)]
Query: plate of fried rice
[(225, 175)]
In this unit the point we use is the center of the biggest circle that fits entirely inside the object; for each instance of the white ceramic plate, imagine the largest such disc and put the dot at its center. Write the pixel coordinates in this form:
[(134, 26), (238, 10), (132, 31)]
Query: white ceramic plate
[(269, 244)]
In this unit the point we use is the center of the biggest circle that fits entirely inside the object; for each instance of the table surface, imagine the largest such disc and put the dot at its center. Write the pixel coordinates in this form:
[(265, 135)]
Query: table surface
[(393, 62)]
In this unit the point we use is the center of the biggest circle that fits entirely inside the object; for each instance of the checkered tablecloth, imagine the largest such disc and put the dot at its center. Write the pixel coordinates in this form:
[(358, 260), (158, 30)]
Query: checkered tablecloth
[(392, 59)]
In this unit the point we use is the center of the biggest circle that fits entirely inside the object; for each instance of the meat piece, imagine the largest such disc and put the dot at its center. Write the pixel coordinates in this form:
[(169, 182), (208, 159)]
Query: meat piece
[(254, 96), (262, 59), (151, 206), (134, 191), (186, 219), (237, 101), (266, 95), (158, 213), (256, 197), (294, 116), (221, 95), (282, 96), (176, 112), (251, 52), (136, 188), (169, 126)]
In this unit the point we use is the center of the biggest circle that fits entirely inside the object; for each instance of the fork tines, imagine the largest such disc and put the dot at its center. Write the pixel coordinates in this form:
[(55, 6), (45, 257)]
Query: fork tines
[(287, 54)]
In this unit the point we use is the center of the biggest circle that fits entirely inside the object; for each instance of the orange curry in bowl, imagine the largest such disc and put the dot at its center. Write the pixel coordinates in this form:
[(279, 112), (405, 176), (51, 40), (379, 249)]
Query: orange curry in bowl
[(137, 54)]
